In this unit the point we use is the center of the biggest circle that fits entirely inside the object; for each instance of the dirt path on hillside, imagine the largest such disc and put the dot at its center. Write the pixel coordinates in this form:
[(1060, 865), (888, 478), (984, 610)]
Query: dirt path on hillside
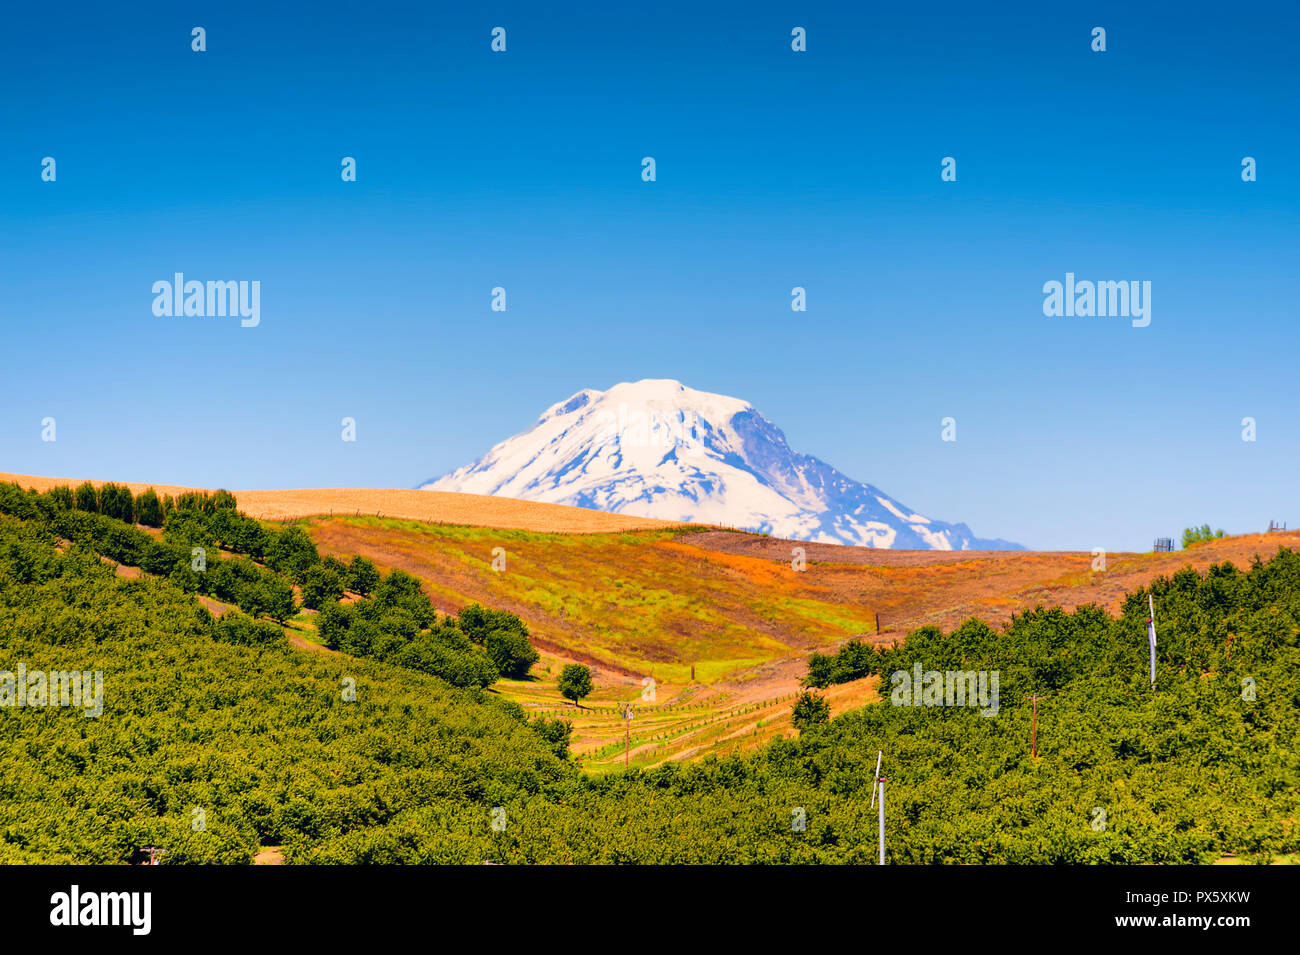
[(302, 643), (214, 607)]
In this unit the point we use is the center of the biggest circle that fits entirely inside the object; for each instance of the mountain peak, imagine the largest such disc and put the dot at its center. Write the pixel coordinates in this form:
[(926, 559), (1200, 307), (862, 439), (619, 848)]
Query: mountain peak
[(657, 448), (650, 392)]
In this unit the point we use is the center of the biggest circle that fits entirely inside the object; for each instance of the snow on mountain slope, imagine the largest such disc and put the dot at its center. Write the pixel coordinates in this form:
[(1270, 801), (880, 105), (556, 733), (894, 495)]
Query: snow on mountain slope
[(656, 448)]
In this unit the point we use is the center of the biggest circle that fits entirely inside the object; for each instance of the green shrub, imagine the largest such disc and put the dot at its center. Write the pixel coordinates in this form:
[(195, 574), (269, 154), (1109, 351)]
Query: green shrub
[(810, 710), (148, 509), (115, 501), (320, 586), (855, 660), (363, 577), (87, 498), (575, 683), (1199, 535)]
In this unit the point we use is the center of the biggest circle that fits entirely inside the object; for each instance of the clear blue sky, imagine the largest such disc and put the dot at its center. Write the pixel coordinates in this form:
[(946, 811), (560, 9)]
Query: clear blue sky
[(775, 169)]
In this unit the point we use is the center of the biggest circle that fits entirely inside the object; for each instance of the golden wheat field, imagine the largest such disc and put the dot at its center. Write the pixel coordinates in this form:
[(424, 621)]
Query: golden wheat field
[(473, 510)]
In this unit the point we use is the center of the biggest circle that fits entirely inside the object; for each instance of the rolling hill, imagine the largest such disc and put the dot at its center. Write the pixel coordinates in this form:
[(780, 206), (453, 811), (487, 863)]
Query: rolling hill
[(309, 757), (445, 508), (639, 598)]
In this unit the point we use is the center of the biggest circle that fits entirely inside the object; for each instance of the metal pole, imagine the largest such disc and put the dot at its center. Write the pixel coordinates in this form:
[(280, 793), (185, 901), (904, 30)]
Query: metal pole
[(881, 783), (1151, 641)]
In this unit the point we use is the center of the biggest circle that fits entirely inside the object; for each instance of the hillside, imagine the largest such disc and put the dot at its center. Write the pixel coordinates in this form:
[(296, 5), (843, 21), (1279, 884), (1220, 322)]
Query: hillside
[(638, 604), (259, 738), (654, 604), (219, 742), (436, 506)]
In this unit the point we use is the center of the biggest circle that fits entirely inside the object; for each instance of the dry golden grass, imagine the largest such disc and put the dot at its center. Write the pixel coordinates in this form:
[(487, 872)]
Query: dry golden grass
[(46, 483), (474, 510)]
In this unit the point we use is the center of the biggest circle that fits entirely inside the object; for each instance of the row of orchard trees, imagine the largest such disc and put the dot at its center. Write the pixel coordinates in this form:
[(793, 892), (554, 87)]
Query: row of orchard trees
[(199, 519), (117, 502), (399, 624), (257, 590), (394, 621), (216, 738)]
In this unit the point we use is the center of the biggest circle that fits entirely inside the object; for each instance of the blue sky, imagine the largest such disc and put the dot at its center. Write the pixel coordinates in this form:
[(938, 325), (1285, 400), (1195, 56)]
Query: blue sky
[(774, 169)]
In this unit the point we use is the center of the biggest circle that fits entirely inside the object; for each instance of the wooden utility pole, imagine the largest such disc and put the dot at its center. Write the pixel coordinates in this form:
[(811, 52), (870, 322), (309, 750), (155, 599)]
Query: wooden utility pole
[(627, 735), (877, 622), (1033, 726)]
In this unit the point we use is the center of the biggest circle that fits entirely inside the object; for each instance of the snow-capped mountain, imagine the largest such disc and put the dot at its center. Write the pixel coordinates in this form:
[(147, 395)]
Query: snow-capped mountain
[(656, 448)]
